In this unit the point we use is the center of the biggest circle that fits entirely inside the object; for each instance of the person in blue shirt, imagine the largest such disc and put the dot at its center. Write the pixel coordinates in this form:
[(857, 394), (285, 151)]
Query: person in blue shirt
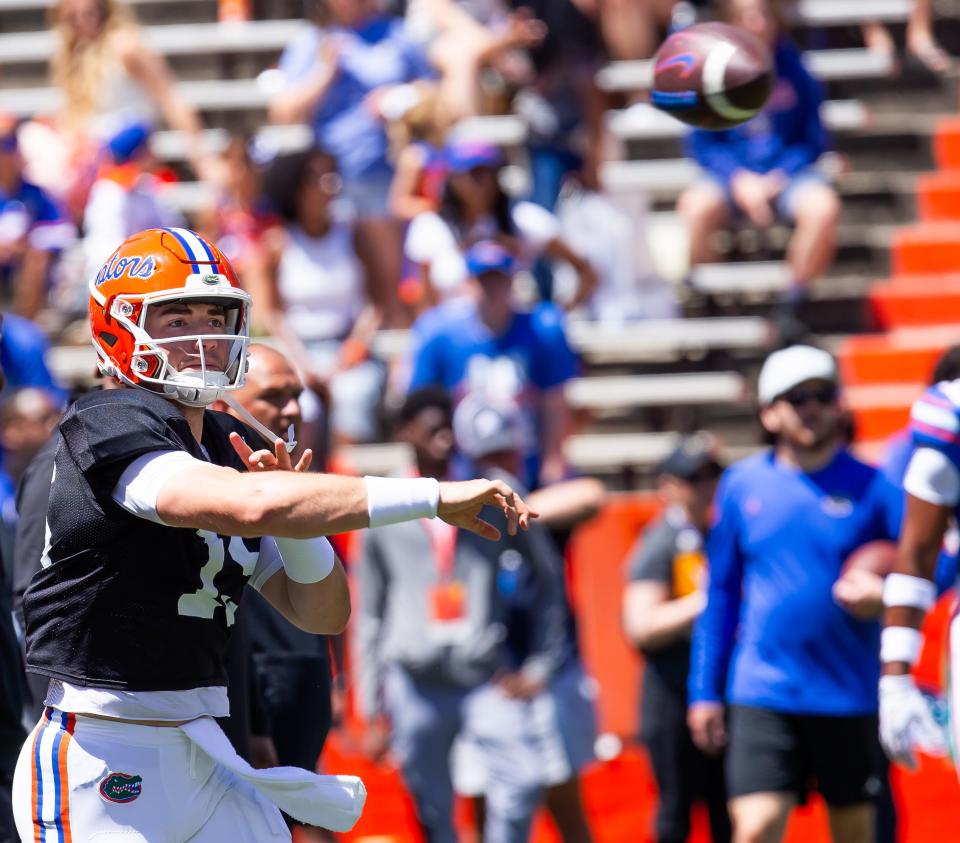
[(482, 344), (23, 349), (335, 73), (765, 169), (783, 672), (33, 230)]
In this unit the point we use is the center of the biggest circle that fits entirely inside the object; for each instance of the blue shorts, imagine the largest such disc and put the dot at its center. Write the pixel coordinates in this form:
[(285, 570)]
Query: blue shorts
[(785, 202)]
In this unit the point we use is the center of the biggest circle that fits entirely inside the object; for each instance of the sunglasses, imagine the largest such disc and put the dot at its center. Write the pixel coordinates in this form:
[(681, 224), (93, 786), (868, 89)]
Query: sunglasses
[(823, 395)]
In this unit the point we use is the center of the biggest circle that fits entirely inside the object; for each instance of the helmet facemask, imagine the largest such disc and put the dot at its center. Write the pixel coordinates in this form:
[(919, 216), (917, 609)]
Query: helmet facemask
[(192, 369)]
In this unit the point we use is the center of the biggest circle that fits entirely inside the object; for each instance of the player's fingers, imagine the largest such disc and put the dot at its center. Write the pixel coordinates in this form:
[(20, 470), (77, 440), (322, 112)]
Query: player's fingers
[(482, 528), (262, 459), (283, 458), (305, 460), (240, 446)]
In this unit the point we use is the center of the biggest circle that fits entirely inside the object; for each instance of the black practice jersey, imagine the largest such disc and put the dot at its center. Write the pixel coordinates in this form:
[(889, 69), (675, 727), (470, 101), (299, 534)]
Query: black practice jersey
[(122, 602)]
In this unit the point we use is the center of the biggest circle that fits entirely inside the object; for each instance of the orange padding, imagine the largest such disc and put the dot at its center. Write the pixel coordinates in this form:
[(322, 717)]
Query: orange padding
[(946, 143), (938, 196), (929, 247), (904, 355), (916, 300)]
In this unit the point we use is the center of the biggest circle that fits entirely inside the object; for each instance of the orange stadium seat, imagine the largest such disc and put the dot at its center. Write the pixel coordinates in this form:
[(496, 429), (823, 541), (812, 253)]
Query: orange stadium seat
[(916, 300), (946, 143), (903, 356), (938, 196), (924, 248)]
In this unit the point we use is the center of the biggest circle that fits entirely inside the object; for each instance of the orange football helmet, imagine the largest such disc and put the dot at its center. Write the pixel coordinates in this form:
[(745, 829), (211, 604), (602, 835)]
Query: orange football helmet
[(159, 266)]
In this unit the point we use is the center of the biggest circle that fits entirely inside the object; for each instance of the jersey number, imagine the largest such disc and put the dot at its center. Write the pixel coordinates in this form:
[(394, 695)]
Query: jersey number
[(205, 601)]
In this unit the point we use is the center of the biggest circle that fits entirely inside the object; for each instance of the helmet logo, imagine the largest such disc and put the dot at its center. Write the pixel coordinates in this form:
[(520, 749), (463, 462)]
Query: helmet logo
[(212, 280), (135, 267)]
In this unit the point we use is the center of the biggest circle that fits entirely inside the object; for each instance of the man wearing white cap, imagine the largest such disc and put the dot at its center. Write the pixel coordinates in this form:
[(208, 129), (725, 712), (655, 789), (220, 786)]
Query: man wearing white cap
[(784, 667)]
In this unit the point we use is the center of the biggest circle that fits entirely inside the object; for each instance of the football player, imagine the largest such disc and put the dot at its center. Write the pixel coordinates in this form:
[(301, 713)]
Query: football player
[(159, 514), (932, 486)]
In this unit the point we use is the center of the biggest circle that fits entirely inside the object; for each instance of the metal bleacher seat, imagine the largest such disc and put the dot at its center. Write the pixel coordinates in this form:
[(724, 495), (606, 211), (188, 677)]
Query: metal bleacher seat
[(611, 392), (644, 122), (170, 40)]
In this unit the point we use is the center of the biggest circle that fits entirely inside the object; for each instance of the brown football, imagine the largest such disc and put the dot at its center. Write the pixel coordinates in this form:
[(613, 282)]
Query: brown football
[(712, 75), (877, 557)]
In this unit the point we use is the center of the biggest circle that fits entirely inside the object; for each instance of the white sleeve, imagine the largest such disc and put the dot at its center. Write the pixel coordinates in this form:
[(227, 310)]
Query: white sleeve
[(933, 478), (536, 225), (139, 485), (268, 563)]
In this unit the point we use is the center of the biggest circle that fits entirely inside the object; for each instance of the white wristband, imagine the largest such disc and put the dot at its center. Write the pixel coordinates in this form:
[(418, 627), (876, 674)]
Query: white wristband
[(306, 560), (391, 500), (907, 590), (900, 644)]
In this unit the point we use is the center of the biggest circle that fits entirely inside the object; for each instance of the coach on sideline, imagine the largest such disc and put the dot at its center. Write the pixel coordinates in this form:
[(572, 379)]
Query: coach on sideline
[(798, 671)]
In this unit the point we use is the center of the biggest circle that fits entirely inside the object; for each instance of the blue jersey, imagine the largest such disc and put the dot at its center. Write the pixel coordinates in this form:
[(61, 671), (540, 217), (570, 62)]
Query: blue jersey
[(900, 449), (772, 635), (457, 351)]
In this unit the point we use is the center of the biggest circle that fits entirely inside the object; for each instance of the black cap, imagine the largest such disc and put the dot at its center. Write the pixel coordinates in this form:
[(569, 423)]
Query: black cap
[(692, 455)]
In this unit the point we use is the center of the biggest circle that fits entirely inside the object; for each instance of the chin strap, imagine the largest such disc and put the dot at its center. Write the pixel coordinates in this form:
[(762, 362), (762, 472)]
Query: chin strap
[(262, 429)]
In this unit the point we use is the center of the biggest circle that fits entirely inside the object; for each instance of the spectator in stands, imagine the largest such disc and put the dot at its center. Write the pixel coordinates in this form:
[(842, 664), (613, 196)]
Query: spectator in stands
[(563, 107), (111, 78), (125, 198), (333, 75), (324, 302), (766, 168), (486, 346), (666, 592), (33, 230), (778, 665), (463, 39), (291, 666), (11, 697), (562, 726), (23, 353), (240, 216), (475, 207), (429, 636), (921, 43)]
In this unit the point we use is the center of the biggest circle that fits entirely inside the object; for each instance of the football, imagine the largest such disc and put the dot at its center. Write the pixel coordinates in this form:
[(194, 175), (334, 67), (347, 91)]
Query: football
[(877, 557), (712, 75)]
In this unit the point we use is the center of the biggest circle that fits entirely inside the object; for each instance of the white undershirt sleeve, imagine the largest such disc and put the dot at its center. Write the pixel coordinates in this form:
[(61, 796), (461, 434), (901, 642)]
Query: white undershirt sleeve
[(139, 485), (933, 478), (268, 563)]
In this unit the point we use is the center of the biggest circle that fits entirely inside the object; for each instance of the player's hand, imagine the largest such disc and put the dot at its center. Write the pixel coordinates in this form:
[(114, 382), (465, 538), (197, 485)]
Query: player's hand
[(708, 727), (461, 502), (860, 592), (519, 686), (751, 194), (906, 722), (265, 460)]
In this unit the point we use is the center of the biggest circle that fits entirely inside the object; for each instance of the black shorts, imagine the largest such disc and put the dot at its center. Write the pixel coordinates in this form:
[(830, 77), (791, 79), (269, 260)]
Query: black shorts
[(771, 751)]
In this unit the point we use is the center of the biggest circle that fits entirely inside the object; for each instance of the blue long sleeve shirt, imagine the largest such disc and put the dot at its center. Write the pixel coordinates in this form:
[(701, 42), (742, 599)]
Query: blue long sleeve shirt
[(772, 635), (786, 135)]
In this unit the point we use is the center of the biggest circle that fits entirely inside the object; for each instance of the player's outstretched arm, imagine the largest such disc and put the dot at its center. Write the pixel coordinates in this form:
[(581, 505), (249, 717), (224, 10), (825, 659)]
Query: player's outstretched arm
[(294, 505)]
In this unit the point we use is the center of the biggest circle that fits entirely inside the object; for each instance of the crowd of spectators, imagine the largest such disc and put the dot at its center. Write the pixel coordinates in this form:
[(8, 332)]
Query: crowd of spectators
[(391, 219)]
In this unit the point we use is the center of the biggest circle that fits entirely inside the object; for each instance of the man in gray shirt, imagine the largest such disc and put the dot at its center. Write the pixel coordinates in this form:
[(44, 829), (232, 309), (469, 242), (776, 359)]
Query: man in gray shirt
[(431, 632)]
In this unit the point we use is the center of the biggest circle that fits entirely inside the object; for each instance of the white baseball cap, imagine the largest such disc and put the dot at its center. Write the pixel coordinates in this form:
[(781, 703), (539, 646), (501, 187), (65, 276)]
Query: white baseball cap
[(786, 368), (483, 427)]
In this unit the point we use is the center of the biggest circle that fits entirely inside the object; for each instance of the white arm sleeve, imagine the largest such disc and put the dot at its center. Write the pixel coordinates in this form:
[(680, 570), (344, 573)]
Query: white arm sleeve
[(268, 563), (537, 225), (139, 485), (932, 478)]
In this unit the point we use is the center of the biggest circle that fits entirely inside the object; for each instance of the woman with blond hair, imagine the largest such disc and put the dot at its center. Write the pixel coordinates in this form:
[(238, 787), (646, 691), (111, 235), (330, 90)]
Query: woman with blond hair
[(111, 78)]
